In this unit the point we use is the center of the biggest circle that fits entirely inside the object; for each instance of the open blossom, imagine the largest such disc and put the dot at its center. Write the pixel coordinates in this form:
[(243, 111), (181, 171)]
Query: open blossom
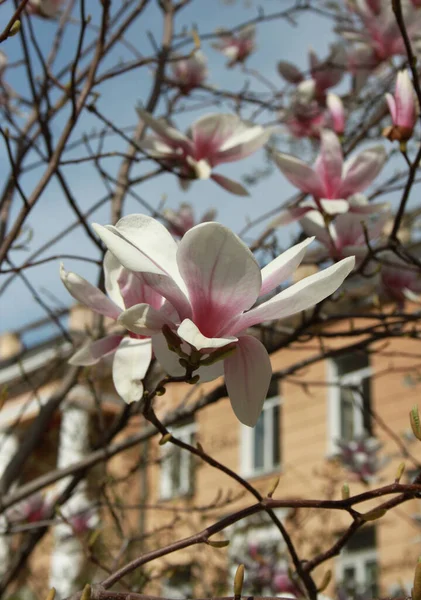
[(31, 510), (212, 140), (402, 108), (133, 353), (330, 181), (360, 456), (49, 9), (325, 73), (189, 73), (180, 221), (213, 281), (399, 280), (236, 46), (305, 117), (378, 38), (345, 234)]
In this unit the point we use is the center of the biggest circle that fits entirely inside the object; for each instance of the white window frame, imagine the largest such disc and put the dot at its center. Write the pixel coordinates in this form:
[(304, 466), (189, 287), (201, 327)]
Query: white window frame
[(247, 443), (357, 560), (355, 378), (184, 433)]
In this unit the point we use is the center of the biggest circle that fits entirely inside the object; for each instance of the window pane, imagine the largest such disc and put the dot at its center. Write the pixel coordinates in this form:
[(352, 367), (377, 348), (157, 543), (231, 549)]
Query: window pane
[(347, 414), (175, 462), (351, 362), (366, 399), (371, 578), (349, 577), (258, 443), (276, 429)]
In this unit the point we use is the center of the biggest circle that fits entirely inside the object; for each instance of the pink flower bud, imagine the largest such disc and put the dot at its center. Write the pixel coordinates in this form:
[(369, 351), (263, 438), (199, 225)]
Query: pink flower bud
[(336, 113), (402, 109)]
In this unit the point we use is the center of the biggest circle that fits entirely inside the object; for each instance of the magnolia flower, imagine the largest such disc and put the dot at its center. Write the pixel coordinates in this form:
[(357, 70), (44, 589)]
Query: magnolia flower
[(336, 113), (179, 222), (379, 31), (81, 522), (357, 205), (213, 139), (33, 509), (402, 109), (284, 586), (331, 181), (213, 282), (133, 353), (324, 73), (360, 456), (329, 72), (189, 73), (236, 46), (48, 9), (400, 280), (345, 235), (305, 117)]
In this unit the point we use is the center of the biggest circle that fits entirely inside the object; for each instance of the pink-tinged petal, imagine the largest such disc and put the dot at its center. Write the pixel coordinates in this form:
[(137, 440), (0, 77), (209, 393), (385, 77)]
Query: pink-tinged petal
[(170, 361), (361, 170), (135, 290), (228, 184), (392, 106), (314, 224), (247, 376), (329, 163), (92, 352), (290, 215), (289, 72), (298, 297), (283, 266), (142, 319), (337, 112), (334, 207), (157, 148), (87, 294), (299, 174), (192, 335), (131, 362), (405, 101), (167, 288), (242, 144), (210, 132), (168, 133), (221, 274)]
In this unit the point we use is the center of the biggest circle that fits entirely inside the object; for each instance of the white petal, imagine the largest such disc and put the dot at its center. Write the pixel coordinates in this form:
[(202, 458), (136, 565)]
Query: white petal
[(143, 320), (191, 334), (283, 266), (334, 207), (92, 352), (230, 185), (131, 361), (112, 272), (248, 372), (88, 294), (165, 131), (300, 296)]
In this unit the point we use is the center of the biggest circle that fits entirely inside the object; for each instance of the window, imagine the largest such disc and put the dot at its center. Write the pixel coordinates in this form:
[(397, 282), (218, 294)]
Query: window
[(349, 410), (261, 445), (177, 464), (357, 568)]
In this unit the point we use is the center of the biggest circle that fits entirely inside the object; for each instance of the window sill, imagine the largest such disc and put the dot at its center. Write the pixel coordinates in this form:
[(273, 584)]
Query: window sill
[(276, 470)]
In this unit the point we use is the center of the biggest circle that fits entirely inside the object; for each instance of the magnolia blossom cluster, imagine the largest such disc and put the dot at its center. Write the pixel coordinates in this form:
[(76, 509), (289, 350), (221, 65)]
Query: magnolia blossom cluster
[(312, 106), (191, 304), (48, 9), (212, 140), (266, 573), (332, 183), (361, 457)]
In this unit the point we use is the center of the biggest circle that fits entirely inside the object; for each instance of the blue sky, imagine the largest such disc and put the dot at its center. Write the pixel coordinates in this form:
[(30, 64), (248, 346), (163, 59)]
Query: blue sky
[(276, 40)]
